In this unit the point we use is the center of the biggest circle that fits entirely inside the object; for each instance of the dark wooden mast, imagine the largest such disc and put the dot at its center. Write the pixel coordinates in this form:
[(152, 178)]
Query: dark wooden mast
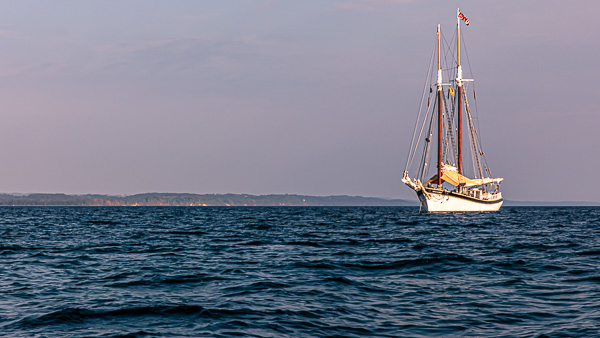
[(439, 164)]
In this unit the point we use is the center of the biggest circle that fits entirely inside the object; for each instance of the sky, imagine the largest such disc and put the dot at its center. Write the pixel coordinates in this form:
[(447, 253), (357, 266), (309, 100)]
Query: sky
[(313, 97)]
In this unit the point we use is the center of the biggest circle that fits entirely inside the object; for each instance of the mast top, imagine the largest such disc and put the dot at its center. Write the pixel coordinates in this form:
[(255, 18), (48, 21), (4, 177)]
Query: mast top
[(439, 68), (459, 16)]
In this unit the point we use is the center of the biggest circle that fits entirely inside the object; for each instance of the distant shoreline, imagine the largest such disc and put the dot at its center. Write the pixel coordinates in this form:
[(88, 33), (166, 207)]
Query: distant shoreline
[(229, 200), (200, 200)]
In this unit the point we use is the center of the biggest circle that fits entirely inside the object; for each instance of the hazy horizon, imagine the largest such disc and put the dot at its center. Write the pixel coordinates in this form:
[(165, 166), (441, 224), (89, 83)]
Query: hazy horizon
[(282, 97), (509, 201)]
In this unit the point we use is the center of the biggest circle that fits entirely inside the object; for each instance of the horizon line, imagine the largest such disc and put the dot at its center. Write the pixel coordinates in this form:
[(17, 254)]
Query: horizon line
[(17, 194)]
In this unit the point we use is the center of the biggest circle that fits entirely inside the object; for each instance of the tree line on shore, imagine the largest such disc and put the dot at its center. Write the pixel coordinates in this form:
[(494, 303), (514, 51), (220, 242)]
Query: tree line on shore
[(180, 199)]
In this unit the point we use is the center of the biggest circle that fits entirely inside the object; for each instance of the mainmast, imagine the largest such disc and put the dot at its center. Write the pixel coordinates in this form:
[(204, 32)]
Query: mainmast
[(459, 86), (439, 104)]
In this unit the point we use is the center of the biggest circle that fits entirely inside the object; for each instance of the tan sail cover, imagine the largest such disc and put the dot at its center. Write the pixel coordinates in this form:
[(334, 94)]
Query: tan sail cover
[(450, 175)]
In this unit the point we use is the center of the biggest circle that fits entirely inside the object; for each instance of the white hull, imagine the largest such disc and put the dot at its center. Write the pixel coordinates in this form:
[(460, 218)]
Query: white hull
[(440, 202)]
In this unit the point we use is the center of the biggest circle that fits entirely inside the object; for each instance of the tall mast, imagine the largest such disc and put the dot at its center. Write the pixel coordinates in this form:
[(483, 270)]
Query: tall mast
[(439, 104), (459, 86)]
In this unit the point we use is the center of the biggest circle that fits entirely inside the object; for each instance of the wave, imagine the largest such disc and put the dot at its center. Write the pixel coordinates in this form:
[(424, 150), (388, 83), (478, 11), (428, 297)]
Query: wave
[(304, 243), (161, 280), (73, 315), (588, 253), (253, 243), (188, 232), (247, 288), (104, 222), (76, 315), (409, 263)]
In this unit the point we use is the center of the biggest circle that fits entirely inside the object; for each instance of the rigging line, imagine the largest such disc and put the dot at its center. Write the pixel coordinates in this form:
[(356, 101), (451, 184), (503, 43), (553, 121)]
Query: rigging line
[(450, 151), (445, 154), (448, 52), (415, 142), (478, 138), (480, 152), (474, 136), (426, 148), (471, 147), (450, 147), (452, 55), (451, 74), (476, 107), (410, 158), (416, 145), (448, 68), (425, 144)]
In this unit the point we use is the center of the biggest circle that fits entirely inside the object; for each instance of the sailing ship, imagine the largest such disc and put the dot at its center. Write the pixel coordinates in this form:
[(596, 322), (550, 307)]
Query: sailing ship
[(450, 186)]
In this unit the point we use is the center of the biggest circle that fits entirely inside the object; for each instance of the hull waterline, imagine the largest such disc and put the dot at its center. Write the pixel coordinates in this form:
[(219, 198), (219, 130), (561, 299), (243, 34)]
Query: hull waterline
[(450, 202)]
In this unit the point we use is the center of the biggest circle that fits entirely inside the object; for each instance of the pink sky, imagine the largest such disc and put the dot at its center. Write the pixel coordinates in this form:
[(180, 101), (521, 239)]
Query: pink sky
[(306, 97)]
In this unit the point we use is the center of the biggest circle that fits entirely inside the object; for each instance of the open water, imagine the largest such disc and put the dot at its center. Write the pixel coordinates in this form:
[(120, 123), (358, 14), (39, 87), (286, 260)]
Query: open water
[(298, 272)]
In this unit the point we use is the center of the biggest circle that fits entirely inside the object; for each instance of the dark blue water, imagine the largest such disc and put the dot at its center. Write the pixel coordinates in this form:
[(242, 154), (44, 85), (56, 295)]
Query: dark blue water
[(298, 272)]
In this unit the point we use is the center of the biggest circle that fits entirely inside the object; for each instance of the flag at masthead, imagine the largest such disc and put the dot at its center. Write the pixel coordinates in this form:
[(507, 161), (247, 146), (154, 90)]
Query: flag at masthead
[(462, 17)]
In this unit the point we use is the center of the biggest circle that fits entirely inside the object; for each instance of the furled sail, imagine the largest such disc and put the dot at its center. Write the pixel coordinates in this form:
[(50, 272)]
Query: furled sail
[(450, 174)]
